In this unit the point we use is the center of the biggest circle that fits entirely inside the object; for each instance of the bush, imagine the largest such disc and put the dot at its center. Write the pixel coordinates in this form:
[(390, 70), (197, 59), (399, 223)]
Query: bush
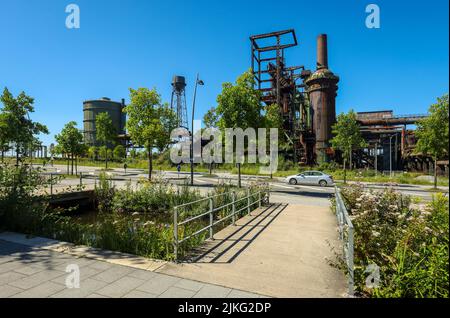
[(409, 246)]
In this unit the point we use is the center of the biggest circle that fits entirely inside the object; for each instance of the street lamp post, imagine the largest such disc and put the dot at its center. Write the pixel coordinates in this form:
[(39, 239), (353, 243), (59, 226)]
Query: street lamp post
[(197, 82)]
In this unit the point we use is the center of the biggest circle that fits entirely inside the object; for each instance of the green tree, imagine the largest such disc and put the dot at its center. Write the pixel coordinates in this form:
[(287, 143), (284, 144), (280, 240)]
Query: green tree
[(21, 130), (238, 106), (149, 122), (432, 133), (211, 118), (105, 132), (347, 136), (4, 142), (119, 152), (70, 142), (92, 152)]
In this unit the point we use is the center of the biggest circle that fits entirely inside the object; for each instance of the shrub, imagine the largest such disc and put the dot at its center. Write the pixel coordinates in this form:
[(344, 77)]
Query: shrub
[(409, 246)]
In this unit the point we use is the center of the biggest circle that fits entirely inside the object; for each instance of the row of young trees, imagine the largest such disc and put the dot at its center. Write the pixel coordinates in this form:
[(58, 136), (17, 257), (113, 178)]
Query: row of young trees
[(149, 124)]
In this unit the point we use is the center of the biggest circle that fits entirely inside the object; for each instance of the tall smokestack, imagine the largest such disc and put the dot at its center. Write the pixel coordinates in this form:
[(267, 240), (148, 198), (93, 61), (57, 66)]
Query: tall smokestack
[(322, 90), (322, 52)]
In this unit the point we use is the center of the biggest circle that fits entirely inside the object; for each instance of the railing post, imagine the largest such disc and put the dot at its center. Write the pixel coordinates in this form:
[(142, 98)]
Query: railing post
[(233, 207), (350, 261), (211, 219), (175, 233), (51, 184), (81, 179), (248, 200), (259, 199)]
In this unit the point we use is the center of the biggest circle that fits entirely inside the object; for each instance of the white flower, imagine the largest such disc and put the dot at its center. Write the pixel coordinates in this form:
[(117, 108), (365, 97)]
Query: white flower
[(375, 233)]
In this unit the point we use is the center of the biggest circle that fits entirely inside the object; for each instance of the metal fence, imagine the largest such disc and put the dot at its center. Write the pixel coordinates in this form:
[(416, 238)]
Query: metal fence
[(346, 231), (229, 201)]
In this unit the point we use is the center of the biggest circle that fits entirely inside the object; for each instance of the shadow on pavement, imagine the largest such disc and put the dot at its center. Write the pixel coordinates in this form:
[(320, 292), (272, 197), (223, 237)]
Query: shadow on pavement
[(212, 252)]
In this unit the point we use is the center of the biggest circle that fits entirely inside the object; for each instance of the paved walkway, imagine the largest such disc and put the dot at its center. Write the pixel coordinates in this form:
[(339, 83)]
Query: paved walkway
[(280, 251), (30, 271)]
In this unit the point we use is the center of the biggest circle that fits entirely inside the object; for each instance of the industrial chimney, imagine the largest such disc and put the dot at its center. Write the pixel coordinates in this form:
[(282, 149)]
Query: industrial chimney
[(322, 89), (322, 52)]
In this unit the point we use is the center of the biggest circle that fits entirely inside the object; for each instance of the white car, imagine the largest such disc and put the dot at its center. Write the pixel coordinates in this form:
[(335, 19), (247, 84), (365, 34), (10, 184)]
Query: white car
[(311, 178)]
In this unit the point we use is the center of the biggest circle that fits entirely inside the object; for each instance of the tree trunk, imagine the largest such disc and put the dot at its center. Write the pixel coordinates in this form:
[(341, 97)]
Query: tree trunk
[(435, 173), (150, 164), (71, 163), (351, 161), (345, 171), (17, 156), (106, 158)]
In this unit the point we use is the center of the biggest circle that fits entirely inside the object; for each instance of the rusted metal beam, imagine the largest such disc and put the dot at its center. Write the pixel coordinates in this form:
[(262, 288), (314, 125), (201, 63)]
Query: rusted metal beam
[(272, 34)]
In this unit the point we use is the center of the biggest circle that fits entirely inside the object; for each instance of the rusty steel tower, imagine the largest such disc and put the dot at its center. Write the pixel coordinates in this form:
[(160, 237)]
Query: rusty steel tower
[(178, 101), (306, 100), (282, 85)]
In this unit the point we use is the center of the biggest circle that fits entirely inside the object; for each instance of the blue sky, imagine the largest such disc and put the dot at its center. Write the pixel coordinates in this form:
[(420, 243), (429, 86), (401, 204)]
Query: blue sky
[(121, 44)]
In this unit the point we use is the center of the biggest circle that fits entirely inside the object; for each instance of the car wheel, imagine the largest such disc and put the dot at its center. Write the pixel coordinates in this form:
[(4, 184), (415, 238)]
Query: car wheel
[(292, 181), (323, 183)]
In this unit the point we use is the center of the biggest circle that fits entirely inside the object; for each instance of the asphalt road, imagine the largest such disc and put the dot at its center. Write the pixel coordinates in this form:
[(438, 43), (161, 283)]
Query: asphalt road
[(281, 191)]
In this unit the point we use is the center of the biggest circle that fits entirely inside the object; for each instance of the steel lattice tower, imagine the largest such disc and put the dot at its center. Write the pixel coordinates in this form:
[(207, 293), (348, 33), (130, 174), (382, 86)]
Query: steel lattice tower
[(178, 101)]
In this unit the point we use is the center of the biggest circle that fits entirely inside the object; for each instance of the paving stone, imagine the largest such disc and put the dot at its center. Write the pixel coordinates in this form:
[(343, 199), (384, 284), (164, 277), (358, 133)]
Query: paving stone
[(96, 296), (120, 287), (176, 292), (142, 274), (36, 279), (87, 287), (212, 291), (139, 294), (5, 259), (113, 274), (28, 270), (241, 294), (10, 266), (7, 291), (11, 276), (189, 284), (101, 265), (44, 290), (159, 284)]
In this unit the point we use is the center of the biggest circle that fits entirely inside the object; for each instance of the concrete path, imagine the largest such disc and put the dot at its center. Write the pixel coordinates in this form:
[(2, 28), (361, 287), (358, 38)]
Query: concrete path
[(280, 251), (34, 270)]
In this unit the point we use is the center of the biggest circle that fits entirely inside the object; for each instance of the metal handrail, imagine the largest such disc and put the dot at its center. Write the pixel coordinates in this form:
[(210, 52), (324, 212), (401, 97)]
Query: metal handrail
[(212, 210), (346, 234)]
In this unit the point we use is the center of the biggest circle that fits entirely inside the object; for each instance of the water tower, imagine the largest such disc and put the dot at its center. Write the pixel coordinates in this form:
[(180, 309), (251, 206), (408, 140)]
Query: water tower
[(178, 102)]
